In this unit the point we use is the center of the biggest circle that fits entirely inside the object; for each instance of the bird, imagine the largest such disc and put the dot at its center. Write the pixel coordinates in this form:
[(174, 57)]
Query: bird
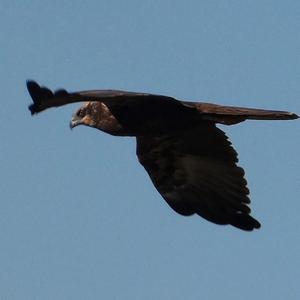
[(190, 161)]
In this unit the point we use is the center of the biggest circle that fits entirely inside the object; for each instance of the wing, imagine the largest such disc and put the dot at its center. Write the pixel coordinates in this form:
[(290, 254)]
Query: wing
[(229, 115), (44, 98), (195, 171)]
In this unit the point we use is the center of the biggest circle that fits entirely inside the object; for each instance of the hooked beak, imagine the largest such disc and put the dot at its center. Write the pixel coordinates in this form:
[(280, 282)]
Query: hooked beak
[(75, 121)]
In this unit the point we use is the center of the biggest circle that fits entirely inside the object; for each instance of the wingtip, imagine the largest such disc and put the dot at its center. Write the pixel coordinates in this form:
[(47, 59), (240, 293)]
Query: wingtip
[(34, 109), (33, 88), (39, 95), (30, 83), (286, 115), (294, 116), (245, 222)]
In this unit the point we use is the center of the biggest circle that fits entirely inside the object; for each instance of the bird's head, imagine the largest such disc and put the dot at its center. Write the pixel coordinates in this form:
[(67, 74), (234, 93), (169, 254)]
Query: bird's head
[(97, 115), (85, 115)]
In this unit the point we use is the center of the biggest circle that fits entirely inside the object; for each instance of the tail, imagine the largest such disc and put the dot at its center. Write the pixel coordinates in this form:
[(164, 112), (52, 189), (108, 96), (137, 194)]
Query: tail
[(231, 115)]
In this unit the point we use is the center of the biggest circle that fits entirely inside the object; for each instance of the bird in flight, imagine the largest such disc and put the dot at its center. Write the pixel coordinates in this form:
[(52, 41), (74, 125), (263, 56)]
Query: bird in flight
[(190, 161)]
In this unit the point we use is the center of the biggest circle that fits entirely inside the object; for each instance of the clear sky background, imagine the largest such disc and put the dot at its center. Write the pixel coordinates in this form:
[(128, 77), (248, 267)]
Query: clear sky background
[(79, 217)]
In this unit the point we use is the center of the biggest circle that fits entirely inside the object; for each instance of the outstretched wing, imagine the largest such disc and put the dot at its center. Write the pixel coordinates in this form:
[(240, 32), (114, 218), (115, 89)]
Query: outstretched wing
[(195, 171), (44, 98), (229, 115)]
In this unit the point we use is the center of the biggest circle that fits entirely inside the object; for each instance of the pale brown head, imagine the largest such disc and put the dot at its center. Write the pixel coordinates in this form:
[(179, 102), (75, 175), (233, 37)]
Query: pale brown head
[(88, 114), (96, 114)]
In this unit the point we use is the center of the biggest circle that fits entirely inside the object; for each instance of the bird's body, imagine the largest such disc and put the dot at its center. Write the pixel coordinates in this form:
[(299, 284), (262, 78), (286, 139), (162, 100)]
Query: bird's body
[(189, 160)]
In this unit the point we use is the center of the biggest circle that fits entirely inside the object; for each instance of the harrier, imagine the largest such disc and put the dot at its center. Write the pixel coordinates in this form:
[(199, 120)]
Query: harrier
[(189, 160)]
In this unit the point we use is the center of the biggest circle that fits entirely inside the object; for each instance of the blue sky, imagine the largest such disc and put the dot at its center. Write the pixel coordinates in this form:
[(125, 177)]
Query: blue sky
[(79, 217)]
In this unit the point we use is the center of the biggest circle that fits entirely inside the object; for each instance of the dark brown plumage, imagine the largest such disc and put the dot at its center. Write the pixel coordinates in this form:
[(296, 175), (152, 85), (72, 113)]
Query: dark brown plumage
[(189, 160)]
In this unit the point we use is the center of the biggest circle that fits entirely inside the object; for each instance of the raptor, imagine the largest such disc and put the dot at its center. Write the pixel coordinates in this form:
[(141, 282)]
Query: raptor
[(189, 160)]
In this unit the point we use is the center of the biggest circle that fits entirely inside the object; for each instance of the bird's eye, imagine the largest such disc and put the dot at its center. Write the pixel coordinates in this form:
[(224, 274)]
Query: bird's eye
[(80, 113)]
